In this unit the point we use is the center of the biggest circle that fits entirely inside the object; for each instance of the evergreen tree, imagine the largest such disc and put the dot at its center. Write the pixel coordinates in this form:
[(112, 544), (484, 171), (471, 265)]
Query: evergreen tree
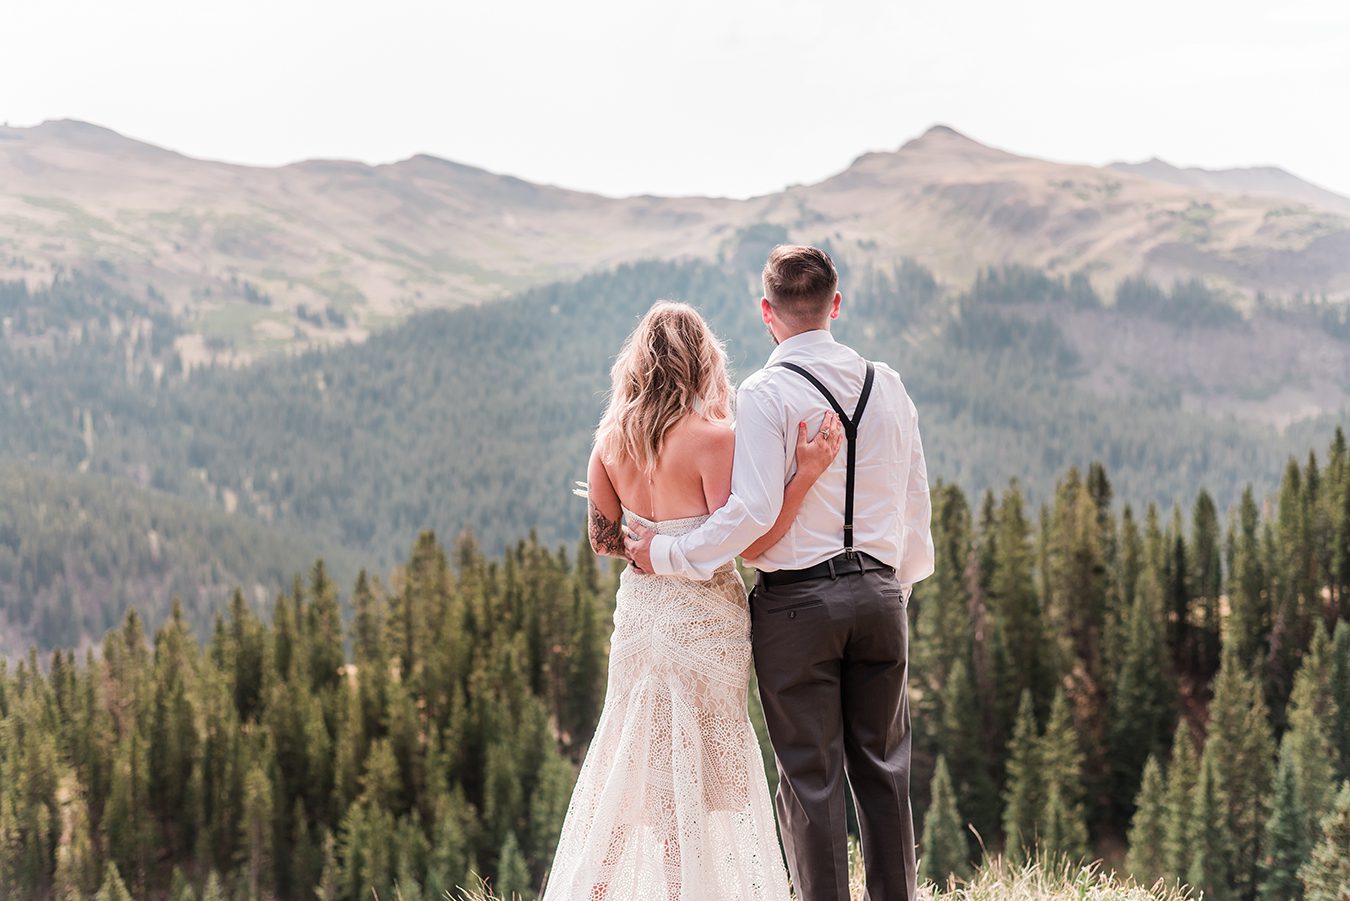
[(945, 849), (586, 669), (513, 877), (1248, 597), (1312, 713), (256, 838), (1141, 705), (113, 888), (213, 890), (961, 741), (77, 873), (548, 809), (1243, 747), (1146, 860), (1209, 870), (942, 622), (1327, 874), (1024, 794), (1340, 692), (1179, 831), (1014, 603), (1062, 827), (1206, 581), (1286, 838)]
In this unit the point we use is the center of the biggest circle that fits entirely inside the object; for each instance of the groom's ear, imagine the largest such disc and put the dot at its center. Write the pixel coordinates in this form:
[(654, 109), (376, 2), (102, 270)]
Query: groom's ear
[(834, 309), (766, 310)]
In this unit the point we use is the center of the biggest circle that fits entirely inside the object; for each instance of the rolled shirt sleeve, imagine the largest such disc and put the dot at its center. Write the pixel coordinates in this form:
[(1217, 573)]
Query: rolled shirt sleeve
[(758, 474)]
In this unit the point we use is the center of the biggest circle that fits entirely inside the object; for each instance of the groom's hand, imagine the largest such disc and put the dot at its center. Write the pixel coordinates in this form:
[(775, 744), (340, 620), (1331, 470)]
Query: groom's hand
[(637, 545)]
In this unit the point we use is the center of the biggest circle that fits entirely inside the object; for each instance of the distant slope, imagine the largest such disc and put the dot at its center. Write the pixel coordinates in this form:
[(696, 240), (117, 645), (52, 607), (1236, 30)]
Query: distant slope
[(482, 416), (252, 260), (77, 550), (1259, 181)]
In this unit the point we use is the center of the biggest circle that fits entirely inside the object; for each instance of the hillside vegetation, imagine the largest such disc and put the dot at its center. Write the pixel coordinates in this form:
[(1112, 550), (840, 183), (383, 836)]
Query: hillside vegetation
[(481, 418), (252, 260)]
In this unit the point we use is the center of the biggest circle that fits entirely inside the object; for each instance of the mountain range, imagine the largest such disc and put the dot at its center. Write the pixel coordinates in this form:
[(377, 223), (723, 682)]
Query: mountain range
[(250, 260), (427, 345)]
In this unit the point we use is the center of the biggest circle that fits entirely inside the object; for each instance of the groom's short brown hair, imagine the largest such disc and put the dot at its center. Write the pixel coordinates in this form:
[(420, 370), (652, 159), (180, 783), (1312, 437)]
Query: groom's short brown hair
[(800, 282)]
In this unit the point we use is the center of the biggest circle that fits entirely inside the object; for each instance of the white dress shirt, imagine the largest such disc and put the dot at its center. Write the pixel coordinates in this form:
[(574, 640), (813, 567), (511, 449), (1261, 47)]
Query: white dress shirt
[(891, 506)]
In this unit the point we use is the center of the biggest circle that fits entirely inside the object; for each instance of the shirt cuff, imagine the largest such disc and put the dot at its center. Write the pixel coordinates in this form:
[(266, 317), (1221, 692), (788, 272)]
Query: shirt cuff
[(660, 551)]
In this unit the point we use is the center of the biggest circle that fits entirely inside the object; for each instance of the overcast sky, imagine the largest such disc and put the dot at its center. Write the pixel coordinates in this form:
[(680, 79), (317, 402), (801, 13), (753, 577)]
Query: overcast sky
[(731, 97)]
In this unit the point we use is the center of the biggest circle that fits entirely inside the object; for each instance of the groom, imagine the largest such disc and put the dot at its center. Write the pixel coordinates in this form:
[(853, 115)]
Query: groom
[(830, 632)]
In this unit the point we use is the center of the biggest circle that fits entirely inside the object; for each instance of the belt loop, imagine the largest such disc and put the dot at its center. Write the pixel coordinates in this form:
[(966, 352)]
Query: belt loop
[(861, 569), (833, 574)]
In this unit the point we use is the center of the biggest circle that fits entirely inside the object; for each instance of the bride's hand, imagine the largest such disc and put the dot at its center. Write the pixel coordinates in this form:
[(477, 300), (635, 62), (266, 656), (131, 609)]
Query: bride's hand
[(815, 455)]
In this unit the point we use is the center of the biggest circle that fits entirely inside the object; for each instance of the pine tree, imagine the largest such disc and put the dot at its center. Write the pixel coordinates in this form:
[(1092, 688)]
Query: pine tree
[(513, 876), (1141, 704), (179, 888), (1340, 691), (1206, 581), (1015, 605), (325, 630), (548, 809), (213, 890), (1248, 596), (945, 849), (128, 833), (1286, 840), (1292, 621), (113, 888), (1312, 713), (255, 827), (1063, 829), (1146, 860), (586, 669), (1209, 870), (1243, 747), (1179, 831), (76, 864), (1024, 794), (961, 740), (942, 623), (1327, 874)]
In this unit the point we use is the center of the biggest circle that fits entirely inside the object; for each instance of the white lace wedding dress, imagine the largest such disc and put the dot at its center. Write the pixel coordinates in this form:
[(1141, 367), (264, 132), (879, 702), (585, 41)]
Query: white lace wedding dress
[(671, 803)]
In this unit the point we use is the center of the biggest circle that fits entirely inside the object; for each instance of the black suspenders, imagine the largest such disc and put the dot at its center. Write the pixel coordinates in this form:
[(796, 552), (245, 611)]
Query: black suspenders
[(850, 435)]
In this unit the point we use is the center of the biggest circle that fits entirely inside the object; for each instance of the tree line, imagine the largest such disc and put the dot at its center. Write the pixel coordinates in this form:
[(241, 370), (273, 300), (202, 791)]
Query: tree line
[(1080, 675), (1183, 680)]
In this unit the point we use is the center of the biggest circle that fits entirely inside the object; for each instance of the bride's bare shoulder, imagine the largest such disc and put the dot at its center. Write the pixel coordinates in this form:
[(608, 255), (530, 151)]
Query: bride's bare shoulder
[(698, 436)]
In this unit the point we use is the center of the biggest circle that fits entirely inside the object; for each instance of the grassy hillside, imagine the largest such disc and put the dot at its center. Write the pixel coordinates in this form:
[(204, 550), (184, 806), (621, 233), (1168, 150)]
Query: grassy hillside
[(252, 260)]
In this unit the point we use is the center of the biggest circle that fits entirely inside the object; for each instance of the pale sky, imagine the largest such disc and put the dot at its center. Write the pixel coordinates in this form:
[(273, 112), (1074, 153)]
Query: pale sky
[(736, 98)]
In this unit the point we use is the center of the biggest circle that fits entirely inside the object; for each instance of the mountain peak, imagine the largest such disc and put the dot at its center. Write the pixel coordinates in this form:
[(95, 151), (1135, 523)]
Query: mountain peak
[(944, 131)]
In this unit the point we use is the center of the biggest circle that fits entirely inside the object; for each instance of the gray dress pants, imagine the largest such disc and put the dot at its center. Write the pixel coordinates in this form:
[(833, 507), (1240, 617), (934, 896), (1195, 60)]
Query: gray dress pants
[(832, 660)]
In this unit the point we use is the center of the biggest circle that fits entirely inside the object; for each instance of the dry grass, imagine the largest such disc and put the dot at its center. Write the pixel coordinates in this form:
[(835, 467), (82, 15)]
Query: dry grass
[(1045, 879)]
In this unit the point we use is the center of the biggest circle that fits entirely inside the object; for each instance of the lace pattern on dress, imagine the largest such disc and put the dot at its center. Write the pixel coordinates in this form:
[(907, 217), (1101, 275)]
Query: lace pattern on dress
[(671, 802)]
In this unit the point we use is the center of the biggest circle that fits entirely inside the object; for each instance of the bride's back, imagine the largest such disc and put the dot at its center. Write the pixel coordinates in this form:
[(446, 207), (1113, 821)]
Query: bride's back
[(692, 475)]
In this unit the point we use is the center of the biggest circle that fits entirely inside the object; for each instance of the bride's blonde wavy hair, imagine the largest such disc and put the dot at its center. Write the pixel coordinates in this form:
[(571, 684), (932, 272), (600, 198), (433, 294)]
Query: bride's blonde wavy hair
[(671, 364)]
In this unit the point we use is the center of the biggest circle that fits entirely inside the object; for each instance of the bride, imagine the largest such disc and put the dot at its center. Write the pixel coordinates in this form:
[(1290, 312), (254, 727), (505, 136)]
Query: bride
[(671, 802)]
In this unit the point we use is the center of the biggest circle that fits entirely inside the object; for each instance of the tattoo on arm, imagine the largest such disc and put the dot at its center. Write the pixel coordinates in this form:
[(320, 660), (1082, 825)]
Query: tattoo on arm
[(606, 535)]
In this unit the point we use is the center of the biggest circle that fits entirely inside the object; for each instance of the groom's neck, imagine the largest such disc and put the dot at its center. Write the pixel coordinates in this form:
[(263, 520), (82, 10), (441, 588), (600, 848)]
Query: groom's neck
[(793, 331)]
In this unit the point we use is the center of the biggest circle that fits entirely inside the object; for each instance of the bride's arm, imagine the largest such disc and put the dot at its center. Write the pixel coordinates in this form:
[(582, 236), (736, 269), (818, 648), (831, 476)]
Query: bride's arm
[(813, 458), (604, 510)]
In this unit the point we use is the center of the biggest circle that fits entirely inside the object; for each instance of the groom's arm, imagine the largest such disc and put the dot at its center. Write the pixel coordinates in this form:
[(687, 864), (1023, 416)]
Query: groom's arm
[(758, 472)]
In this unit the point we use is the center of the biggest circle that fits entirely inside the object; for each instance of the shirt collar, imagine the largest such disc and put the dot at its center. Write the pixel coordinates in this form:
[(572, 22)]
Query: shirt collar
[(813, 338)]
